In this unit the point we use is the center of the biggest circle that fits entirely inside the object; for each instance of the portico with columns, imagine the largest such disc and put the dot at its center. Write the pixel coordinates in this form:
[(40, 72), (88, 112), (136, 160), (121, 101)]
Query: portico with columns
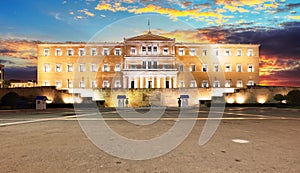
[(144, 79)]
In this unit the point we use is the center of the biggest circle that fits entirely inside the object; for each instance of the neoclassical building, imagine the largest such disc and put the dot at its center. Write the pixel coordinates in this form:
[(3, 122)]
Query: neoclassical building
[(147, 61)]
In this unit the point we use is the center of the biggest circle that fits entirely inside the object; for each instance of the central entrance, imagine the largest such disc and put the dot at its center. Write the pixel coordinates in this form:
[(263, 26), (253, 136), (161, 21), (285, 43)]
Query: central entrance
[(167, 84), (149, 84)]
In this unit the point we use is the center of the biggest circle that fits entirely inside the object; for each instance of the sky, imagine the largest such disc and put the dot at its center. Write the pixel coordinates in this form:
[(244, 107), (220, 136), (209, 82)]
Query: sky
[(274, 24)]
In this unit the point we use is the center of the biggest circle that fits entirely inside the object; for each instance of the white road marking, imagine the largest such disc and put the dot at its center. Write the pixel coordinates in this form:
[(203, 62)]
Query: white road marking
[(240, 141), (80, 118)]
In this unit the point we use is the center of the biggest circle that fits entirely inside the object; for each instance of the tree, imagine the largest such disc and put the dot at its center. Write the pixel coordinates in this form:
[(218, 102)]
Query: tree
[(293, 97), (279, 97)]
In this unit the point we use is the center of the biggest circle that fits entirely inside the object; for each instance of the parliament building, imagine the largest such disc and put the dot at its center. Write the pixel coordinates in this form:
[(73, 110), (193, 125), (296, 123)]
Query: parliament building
[(147, 61)]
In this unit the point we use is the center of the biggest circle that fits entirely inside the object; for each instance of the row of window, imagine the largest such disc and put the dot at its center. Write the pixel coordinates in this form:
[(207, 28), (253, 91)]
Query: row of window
[(117, 84), (145, 65), (217, 68), (216, 52), (81, 52), (146, 50), (81, 67)]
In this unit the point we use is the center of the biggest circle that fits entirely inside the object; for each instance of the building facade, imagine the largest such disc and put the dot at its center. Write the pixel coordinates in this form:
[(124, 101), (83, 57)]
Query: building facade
[(147, 61)]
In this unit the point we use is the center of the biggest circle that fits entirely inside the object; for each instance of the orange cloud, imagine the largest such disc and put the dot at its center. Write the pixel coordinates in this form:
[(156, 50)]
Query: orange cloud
[(18, 52)]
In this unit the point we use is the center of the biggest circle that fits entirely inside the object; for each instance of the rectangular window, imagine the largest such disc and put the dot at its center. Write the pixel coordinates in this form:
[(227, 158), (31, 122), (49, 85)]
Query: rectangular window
[(117, 67), (250, 52), (181, 67), (205, 84), (204, 67), (155, 64), (46, 83), (239, 68), (193, 84), (81, 52), (132, 66), (70, 67), (181, 51), (133, 51), (165, 66), (58, 52), (155, 50), (166, 51), (239, 52), (105, 84), (93, 52), (117, 84), (216, 84), (94, 84), (216, 67), (204, 52), (81, 67), (58, 67), (144, 50), (149, 49), (227, 68), (217, 52), (227, 52), (81, 84), (227, 83), (70, 84), (192, 67), (105, 51), (94, 67), (46, 52), (149, 64), (105, 67), (192, 52), (69, 52), (118, 51), (250, 68), (239, 83), (144, 64), (250, 83), (58, 84), (46, 68), (181, 84)]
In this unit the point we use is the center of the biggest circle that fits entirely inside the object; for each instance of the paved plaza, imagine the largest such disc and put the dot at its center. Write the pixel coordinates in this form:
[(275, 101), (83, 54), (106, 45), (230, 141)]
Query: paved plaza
[(260, 139)]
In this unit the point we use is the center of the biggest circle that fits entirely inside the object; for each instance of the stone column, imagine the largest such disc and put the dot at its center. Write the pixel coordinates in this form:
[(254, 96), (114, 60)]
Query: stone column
[(158, 82), (135, 82), (175, 81), (152, 82), (164, 81), (142, 82), (170, 82), (129, 81), (147, 82)]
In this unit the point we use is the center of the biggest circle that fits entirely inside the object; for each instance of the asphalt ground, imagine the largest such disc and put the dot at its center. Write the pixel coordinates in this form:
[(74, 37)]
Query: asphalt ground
[(53, 141)]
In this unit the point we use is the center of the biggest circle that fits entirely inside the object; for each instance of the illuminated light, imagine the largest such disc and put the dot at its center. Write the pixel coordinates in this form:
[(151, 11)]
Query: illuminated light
[(261, 100), (78, 100), (240, 99), (283, 101), (230, 100), (48, 101)]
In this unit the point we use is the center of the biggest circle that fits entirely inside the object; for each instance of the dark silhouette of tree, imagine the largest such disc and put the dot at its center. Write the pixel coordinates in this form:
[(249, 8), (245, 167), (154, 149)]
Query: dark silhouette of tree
[(293, 97), (279, 97)]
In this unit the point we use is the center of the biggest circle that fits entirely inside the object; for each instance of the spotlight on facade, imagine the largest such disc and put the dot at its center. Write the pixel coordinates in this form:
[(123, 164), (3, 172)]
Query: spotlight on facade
[(230, 100), (261, 100), (240, 99)]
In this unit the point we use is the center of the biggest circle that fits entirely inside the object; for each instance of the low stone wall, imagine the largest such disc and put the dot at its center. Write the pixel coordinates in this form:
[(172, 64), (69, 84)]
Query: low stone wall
[(156, 97), (56, 96), (257, 94)]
